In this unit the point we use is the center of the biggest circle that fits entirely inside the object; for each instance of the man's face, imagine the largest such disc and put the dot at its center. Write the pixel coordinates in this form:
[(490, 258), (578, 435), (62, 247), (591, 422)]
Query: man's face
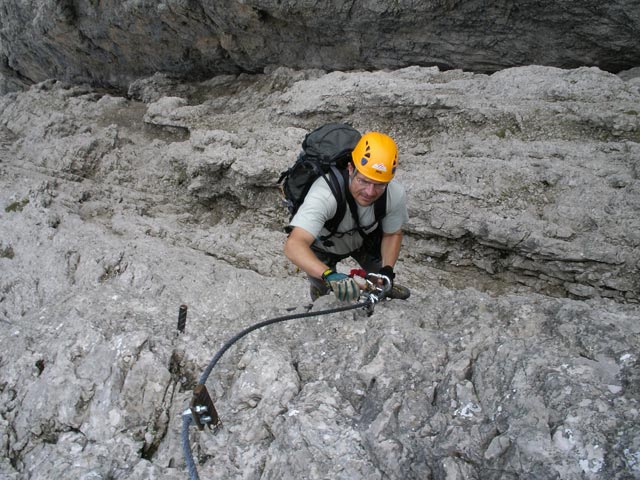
[(363, 190)]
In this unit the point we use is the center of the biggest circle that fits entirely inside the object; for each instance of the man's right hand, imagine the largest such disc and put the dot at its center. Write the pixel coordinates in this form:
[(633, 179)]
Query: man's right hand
[(344, 287)]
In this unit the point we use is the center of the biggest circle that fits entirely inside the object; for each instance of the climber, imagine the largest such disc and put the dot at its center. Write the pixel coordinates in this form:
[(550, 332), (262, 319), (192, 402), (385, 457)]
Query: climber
[(371, 238)]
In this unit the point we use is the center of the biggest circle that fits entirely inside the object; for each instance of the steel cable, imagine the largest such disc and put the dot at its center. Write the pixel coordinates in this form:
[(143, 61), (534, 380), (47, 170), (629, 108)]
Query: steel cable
[(186, 416)]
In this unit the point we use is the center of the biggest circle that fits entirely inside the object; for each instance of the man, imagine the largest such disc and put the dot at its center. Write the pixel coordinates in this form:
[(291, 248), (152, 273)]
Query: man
[(375, 247)]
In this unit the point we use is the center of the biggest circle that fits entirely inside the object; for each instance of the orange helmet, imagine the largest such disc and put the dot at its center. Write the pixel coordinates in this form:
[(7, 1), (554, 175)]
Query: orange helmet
[(376, 156)]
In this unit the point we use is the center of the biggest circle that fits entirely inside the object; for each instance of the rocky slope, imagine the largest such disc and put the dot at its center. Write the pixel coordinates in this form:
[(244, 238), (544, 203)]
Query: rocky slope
[(515, 357), (114, 43)]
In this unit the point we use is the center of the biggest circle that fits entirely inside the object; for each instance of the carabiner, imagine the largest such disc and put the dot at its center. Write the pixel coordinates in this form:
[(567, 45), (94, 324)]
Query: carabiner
[(379, 292)]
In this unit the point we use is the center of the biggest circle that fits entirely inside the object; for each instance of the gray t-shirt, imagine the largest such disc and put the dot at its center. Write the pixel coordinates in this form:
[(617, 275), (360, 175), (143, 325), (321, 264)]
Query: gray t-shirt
[(320, 205)]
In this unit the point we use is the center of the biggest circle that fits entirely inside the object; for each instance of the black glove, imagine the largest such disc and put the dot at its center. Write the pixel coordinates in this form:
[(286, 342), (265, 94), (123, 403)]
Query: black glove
[(344, 287), (387, 271)]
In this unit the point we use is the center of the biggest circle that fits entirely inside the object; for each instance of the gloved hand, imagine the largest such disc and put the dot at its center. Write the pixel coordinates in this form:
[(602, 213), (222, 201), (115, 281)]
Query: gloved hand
[(344, 287), (387, 271)]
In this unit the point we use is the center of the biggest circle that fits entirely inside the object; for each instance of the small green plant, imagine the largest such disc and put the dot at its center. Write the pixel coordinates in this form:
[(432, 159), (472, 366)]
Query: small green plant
[(7, 252), (181, 177), (16, 206), (631, 112)]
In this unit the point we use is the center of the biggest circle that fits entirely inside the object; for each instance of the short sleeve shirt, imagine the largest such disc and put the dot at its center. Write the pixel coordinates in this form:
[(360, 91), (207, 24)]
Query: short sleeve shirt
[(320, 206)]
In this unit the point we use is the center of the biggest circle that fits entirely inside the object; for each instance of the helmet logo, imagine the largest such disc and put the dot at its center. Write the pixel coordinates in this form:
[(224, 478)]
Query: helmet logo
[(379, 166)]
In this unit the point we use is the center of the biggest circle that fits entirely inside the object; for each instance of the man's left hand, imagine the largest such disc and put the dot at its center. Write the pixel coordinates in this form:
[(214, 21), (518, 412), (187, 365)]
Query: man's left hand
[(387, 271)]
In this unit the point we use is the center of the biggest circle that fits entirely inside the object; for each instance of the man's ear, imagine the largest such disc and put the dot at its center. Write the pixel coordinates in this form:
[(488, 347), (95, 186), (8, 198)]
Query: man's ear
[(350, 167)]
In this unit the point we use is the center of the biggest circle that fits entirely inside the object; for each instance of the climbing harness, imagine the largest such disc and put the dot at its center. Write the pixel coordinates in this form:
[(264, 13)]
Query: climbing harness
[(202, 412)]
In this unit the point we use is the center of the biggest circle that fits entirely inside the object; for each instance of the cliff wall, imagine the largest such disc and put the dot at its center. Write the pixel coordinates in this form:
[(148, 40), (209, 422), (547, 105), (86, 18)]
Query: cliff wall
[(112, 44)]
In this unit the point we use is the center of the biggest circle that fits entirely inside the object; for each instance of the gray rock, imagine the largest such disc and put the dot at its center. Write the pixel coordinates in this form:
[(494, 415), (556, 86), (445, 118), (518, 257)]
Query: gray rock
[(515, 357), (113, 44)]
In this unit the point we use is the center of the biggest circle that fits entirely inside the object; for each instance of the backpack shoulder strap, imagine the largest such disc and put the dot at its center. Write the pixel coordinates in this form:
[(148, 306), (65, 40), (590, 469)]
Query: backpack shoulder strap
[(337, 181), (380, 207)]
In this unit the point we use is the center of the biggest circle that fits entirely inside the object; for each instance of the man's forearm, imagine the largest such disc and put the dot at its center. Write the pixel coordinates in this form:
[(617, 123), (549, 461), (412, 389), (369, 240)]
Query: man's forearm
[(298, 250), (390, 247)]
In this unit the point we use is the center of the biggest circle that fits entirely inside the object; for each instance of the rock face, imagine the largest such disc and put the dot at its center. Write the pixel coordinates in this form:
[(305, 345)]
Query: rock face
[(515, 357), (114, 43)]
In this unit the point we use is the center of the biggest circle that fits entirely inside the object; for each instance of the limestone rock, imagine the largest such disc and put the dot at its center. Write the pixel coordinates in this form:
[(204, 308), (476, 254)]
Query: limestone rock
[(515, 356), (115, 43)]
